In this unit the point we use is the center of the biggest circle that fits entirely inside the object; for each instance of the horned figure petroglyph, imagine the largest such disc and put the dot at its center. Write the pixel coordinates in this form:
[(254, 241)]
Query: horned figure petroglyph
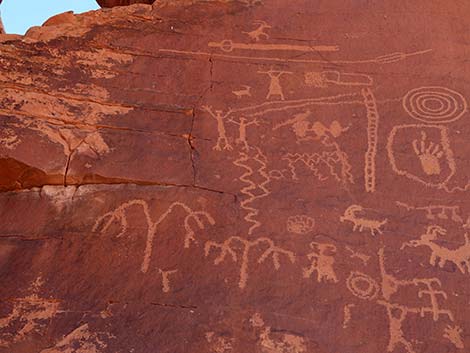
[(460, 257), (259, 32), (119, 215), (222, 139), (244, 92), (228, 247), (322, 261), (243, 123), (351, 215), (275, 88)]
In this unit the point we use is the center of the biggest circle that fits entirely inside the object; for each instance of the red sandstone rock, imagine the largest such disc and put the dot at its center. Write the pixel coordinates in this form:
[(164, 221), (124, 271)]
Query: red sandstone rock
[(112, 3), (237, 176)]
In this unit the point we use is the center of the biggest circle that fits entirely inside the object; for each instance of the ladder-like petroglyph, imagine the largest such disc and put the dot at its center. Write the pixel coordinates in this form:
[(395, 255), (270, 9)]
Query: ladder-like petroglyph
[(372, 139)]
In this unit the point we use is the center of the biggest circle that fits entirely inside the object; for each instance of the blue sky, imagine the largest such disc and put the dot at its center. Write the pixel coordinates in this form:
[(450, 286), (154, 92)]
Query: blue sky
[(19, 15)]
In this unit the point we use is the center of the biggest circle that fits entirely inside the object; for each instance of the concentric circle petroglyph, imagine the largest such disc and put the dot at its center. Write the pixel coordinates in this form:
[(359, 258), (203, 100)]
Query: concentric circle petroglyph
[(362, 285), (434, 104)]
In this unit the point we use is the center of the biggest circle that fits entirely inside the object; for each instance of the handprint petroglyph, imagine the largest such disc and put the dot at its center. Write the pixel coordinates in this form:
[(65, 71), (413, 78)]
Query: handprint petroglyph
[(429, 154)]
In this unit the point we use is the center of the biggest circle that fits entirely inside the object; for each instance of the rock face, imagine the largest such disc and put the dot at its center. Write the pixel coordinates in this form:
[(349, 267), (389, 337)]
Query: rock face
[(112, 3), (238, 176)]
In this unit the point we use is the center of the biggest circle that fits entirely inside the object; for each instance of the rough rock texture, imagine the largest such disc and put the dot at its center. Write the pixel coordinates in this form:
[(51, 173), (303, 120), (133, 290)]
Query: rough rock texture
[(112, 3), (237, 177)]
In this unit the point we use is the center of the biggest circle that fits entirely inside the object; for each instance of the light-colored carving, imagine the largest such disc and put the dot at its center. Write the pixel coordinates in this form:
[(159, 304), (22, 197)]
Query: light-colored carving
[(275, 88), (326, 78), (322, 258), (222, 140), (454, 335), (254, 189), (219, 344), (430, 162), (352, 215), (228, 46), (347, 315), (260, 31), (362, 286), (166, 279), (372, 137), (300, 224), (357, 255), (228, 247), (440, 255), (244, 92), (243, 123), (119, 215), (434, 105), (434, 212)]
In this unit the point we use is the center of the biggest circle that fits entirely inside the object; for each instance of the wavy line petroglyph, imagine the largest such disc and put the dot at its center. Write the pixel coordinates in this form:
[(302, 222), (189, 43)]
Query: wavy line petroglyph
[(322, 258), (372, 137), (119, 215), (434, 212), (253, 189), (435, 105), (259, 32), (351, 215), (440, 255), (330, 77), (228, 247), (228, 46), (300, 224)]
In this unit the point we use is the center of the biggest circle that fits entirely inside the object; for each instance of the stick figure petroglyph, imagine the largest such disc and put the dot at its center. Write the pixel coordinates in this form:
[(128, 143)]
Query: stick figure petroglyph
[(222, 139), (460, 257), (119, 215), (243, 123), (275, 88), (259, 32), (322, 258), (351, 215), (228, 247)]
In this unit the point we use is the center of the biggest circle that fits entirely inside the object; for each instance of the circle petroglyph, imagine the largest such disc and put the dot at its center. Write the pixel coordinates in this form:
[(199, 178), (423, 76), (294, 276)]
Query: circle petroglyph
[(434, 105), (362, 285)]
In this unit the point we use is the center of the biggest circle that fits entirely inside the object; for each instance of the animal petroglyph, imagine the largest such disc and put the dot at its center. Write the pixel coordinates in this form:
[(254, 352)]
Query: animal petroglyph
[(326, 78), (260, 31), (275, 88), (454, 335), (300, 224), (351, 215), (372, 137), (244, 92), (228, 46), (229, 247), (253, 189), (427, 160), (440, 255), (119, 215), (322, 258), (222, 140), (434, 212), (434, 105), (243, 124), (166, 279), (357, 255)]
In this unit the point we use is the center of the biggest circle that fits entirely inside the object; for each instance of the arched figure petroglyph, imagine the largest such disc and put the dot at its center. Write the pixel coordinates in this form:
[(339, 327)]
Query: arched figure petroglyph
[(119, 215), (259, 32), (222, 139), (244, 92), (228, 247), (460, 257), (351, 215), (275, 88), (322, 258), (243, 123)]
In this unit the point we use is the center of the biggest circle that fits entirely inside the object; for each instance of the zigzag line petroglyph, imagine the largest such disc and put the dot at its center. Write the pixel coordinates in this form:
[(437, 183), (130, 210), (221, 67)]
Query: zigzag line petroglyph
[(372, 136), (119, 215), (227, 247), (246, 204), (436, 211)]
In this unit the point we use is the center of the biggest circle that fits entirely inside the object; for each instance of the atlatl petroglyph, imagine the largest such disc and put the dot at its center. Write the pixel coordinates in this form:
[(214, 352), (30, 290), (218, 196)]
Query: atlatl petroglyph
[(228, 45), (322, 258), (254, 189), (222, 140), (260, 31), (228, 247), (275, 88), (352, 215), (300, 224), (440, 255), (372, 137), (119, 215), (243, 123), (331, 77), (434, 212)]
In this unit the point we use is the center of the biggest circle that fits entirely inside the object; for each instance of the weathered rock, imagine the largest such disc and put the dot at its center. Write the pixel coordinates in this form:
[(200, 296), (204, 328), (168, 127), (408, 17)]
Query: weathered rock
[(112, 3), (237, 176)]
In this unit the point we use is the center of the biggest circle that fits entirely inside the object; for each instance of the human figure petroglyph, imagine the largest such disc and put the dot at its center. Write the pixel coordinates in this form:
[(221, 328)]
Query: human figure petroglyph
[(275, 88), (331, 77), (454, 335), (256, 182), (440, 255), (222, 140), (322, 258), (243, 123), (260, 32), (429, 155), (357, 255), (119, 215), (434, 212), (351, 215), (228, 247), (166, 279), (244, 92), (372, 139), (300, 224)]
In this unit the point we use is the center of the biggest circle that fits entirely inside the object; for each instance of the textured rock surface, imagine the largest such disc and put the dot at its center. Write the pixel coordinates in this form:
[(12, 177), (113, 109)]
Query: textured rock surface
[(252, 176)]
